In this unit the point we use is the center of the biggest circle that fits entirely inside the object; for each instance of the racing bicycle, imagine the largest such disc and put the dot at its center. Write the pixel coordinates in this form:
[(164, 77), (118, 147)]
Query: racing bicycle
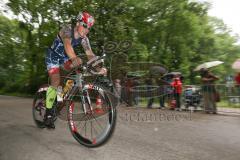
[(86, 106)]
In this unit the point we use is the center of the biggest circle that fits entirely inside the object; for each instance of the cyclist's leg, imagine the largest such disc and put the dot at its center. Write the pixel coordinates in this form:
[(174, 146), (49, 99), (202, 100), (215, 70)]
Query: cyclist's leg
[(54, 76), (52, 62), (51, 96)]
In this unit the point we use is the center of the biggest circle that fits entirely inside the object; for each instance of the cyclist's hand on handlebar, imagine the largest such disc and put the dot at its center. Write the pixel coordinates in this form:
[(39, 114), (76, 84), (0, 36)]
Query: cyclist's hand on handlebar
[(102, 71), (76, 61)]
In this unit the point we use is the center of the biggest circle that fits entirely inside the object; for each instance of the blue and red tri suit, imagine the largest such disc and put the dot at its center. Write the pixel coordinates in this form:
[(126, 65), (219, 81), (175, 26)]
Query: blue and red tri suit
[(56, 55)]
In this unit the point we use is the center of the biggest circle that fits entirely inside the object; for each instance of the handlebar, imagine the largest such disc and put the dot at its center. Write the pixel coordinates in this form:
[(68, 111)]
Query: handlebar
[(91, 65)]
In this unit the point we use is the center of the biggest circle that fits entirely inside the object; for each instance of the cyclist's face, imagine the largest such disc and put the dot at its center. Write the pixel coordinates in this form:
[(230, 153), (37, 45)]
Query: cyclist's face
[(82, 30)]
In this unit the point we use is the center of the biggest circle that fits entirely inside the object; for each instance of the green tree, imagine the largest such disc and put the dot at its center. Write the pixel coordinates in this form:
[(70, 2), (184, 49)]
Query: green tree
[(176, 33)]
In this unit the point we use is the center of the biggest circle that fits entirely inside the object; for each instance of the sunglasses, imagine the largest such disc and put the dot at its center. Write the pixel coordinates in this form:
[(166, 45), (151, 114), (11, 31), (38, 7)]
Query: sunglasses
[(84, 25)]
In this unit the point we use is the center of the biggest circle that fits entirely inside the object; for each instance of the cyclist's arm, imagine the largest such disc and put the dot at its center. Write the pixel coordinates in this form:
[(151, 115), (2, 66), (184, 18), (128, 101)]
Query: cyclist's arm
[(65, 34), (87, 48)]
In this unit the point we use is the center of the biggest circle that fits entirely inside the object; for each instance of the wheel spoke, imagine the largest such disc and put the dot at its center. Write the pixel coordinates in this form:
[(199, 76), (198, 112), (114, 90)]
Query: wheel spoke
[(85, 126), (93, 128)]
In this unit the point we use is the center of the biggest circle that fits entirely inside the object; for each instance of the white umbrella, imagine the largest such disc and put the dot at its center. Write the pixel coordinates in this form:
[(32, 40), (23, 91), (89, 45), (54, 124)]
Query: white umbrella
[(236, 65), (208, 65)]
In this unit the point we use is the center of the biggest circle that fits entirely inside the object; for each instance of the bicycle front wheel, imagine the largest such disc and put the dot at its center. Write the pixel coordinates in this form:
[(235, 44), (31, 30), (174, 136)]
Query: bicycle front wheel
[(92, 124)]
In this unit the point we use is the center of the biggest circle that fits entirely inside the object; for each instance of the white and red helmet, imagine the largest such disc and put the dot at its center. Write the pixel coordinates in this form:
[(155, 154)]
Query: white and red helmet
[(86, 18)]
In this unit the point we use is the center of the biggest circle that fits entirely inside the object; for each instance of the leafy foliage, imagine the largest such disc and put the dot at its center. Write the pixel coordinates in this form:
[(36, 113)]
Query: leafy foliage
[(176, 33)]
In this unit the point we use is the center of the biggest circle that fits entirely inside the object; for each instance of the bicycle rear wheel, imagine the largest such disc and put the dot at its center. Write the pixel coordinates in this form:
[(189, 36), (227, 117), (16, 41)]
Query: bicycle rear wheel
[(39, 109), (92, 128)]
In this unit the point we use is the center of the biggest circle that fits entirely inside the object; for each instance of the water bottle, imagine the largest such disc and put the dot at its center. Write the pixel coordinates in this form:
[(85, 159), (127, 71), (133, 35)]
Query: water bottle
[(69, 84), (59, 94)]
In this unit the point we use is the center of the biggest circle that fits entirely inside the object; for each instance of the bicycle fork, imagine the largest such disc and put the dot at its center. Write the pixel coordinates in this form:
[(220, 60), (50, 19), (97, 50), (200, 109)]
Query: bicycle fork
[(86, 101)]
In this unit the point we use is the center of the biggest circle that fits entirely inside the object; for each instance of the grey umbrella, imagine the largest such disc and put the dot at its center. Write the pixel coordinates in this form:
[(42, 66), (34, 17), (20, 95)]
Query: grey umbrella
[(157, 70)]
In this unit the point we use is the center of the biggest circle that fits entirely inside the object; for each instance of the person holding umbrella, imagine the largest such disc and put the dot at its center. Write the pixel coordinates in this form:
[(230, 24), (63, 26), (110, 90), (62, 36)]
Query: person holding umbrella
[(156, 71), (208, 90)]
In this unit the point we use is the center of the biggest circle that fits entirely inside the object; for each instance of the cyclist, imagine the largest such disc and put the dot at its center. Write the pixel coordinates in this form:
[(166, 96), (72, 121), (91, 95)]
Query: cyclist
[(61, 53)]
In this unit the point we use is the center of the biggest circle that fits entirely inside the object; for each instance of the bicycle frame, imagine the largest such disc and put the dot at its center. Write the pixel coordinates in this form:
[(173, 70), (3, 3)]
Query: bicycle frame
[(81, 88)]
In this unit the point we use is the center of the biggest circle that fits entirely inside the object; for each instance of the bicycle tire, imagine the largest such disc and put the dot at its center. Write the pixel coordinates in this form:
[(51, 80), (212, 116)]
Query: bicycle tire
[(105, 135), (38, 109)]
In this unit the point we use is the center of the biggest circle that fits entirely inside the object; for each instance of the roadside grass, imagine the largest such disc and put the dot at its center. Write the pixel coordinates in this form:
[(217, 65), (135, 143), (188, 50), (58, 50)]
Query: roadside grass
[(228, 104)]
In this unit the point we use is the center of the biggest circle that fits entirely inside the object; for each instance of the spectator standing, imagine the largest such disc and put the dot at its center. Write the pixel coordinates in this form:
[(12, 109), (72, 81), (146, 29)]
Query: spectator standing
[(177, 91), (162, 92), (229, 80), (208, 90), (136, 83), (129, 85), (117, 89), (149, 83), (237, 82)]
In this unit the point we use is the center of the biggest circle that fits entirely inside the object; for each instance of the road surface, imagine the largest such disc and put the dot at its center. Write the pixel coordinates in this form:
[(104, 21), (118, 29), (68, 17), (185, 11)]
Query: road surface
[(141, 134)]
